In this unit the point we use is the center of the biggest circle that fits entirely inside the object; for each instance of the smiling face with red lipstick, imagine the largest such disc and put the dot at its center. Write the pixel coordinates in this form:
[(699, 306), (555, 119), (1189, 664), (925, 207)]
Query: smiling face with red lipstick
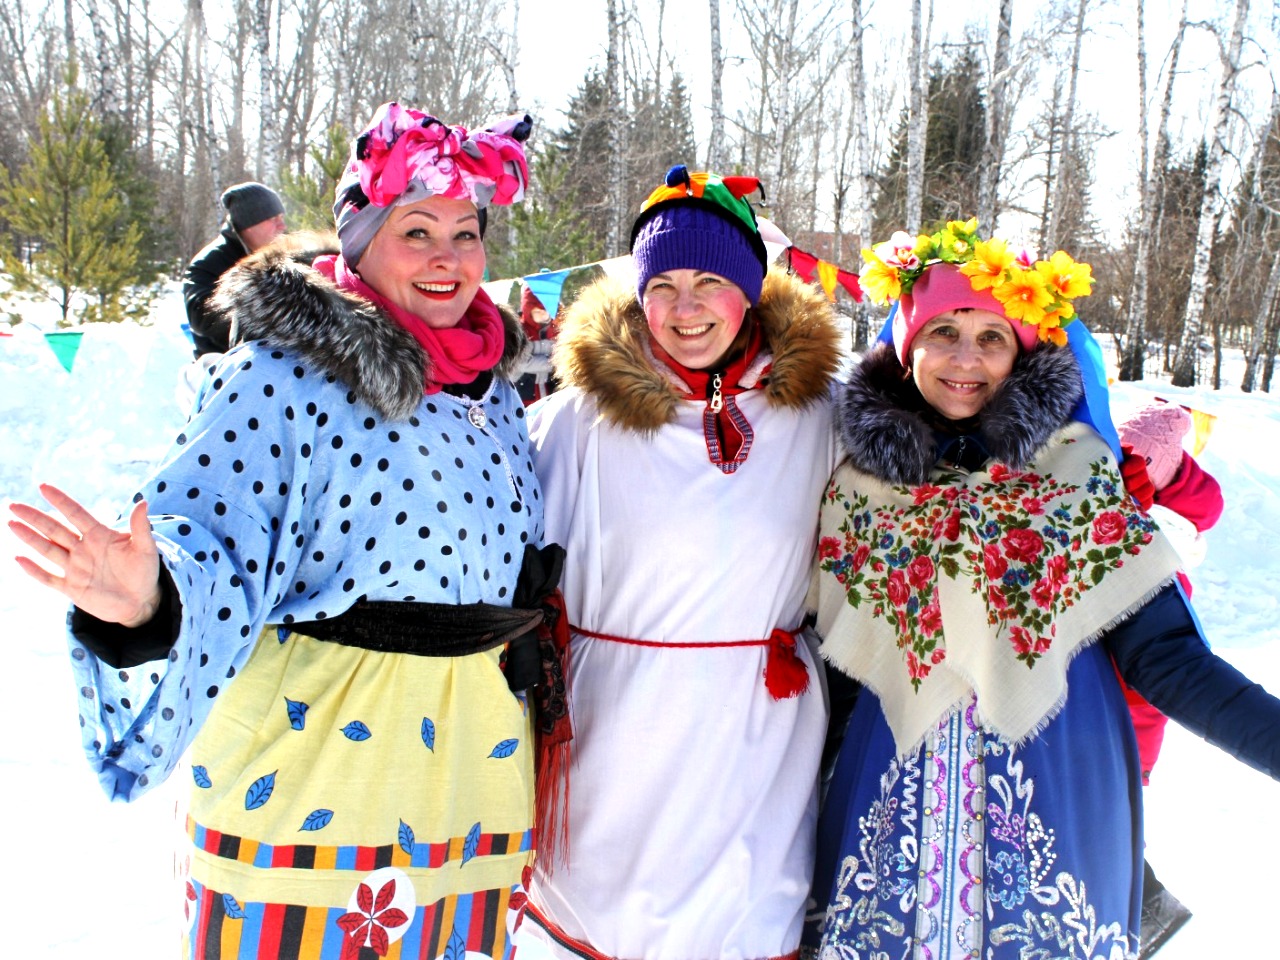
[(428, 258)]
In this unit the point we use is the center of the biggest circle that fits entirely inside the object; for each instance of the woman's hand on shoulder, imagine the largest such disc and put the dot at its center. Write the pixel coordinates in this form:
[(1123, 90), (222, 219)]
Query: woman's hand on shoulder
[(111, 574)]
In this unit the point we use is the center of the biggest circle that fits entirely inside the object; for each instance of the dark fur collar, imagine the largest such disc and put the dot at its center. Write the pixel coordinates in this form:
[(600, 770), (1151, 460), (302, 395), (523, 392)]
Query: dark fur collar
[(274, 295), (885, 433), (603, 348)]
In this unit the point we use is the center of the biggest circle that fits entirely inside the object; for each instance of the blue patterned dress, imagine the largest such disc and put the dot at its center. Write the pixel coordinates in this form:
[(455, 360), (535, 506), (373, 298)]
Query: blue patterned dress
[(974, 847)]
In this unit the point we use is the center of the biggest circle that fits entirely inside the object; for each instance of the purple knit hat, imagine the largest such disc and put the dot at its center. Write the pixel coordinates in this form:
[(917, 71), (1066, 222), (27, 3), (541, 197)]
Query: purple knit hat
[(699, 232)]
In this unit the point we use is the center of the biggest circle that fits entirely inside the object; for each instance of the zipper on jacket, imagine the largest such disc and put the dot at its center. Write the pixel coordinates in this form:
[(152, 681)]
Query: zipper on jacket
[(716, 399)]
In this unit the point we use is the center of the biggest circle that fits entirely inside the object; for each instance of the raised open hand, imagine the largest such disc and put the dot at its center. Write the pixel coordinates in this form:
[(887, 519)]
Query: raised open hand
[(111, 574)]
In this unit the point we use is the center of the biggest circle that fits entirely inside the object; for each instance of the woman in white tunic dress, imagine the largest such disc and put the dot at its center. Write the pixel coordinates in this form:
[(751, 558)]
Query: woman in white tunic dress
[(682, 467)]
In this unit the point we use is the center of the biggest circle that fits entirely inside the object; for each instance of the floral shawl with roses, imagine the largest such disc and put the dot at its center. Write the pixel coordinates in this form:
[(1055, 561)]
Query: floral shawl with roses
[(982, 583)]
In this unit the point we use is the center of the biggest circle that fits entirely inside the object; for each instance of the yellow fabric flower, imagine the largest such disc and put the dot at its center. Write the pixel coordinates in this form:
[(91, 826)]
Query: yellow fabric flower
[(925, 248), (952, 248), (1050, 328), (991, 258), (1024, 296), (879, 280), (1065, 277)]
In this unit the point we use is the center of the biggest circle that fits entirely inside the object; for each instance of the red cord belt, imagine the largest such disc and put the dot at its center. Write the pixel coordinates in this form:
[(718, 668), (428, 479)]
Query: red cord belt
[(785, 674)]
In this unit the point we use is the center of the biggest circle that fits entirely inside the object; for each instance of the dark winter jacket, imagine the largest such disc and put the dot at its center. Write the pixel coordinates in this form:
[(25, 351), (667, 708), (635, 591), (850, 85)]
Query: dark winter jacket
[(887, 430), (208, 327)]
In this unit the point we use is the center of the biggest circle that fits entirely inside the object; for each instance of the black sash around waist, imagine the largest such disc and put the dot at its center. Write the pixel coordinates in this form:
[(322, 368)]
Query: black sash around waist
[(424, 629), (457, 630)]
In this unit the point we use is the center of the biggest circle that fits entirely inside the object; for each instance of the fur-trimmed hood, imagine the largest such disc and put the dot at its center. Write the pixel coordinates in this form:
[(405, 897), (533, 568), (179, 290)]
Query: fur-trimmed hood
[(604, 349), (886, 434), (275, 295)]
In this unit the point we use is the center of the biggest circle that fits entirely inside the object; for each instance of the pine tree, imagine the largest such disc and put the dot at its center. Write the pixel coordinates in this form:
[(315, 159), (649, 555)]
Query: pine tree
[(550, 229), (1169, 278), (661, 136), (308, 197), (954, 141), (66, 210), (137, 181), (583, 148)]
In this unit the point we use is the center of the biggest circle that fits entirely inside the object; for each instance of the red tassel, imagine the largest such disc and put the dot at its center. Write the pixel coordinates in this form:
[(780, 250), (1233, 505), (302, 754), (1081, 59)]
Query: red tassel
[(785, 674), (551, 789)]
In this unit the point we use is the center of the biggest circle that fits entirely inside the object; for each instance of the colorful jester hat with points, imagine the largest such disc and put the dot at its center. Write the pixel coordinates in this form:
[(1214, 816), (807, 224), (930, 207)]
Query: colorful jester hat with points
[(954, 269), (700, 221)]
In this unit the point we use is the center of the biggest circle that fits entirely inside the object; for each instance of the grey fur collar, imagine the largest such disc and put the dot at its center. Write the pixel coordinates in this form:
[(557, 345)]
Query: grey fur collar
[(274, 295), (885, 433)]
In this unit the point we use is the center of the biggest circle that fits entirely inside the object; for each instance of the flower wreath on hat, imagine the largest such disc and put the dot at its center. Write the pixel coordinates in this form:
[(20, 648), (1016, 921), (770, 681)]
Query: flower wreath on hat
[(1036, 293)]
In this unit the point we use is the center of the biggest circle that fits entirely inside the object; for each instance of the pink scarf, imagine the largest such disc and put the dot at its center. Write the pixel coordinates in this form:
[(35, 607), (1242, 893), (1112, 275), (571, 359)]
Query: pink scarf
[(455, 354)]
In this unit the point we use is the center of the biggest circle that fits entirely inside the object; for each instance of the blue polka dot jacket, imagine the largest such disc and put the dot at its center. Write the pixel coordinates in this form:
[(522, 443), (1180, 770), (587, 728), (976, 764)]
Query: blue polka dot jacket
[(313, 472)]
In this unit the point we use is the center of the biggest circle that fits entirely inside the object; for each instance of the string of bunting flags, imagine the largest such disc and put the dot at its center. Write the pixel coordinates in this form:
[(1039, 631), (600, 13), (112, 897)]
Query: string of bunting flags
[(827, 275), (548, 285)]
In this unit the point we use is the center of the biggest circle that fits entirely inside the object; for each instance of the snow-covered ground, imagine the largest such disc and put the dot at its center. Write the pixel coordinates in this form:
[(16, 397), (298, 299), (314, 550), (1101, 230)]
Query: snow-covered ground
[(85, 878)]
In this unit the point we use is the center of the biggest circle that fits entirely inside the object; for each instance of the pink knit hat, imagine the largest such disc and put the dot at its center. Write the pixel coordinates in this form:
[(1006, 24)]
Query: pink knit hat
[(1156, 432), (943, 287)]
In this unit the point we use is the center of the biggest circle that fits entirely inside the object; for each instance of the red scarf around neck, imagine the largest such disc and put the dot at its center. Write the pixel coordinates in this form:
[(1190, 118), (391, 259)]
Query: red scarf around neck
[(454, 354), (728, 432), (730, 376)]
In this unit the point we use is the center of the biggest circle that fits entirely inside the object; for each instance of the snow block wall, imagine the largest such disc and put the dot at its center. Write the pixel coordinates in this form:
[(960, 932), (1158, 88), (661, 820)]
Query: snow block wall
[(94, 431)]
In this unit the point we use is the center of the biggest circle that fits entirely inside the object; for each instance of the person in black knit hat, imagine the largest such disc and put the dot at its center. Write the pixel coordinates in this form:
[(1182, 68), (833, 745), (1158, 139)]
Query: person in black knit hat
[(255, 217)]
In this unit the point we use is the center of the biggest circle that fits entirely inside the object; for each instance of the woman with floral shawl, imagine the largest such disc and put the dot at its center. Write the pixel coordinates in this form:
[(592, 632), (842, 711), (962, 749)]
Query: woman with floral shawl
[(980, 566), (322, 590)]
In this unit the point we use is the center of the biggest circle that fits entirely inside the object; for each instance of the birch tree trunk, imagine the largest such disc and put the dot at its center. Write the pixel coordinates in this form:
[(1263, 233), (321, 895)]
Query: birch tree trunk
[(417, 37), (1271, 290), (69, 28), (105, 101), (993, 152), (1184, 362), (1152, 200), (268, 132), (237, 156), (209, 157), (180, 152), (617, 131), (1266, 306), (781, 112), (1269, 355), (150, 74), (509, 58), (124, 30), (1135, 347), (863, 180), (917, 122), (716, 157), (1052, 238)]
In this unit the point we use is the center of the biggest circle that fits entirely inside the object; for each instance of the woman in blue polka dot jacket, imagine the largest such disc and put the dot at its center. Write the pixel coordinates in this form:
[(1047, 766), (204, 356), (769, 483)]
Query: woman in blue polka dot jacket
[(319, 590)]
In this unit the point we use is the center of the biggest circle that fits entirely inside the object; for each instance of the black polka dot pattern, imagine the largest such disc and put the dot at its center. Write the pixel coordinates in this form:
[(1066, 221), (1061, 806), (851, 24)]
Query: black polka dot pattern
[(286, 500)]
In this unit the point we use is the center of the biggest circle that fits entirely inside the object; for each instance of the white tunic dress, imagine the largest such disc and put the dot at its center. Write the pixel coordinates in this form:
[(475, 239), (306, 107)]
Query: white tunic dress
[(693, 792)]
